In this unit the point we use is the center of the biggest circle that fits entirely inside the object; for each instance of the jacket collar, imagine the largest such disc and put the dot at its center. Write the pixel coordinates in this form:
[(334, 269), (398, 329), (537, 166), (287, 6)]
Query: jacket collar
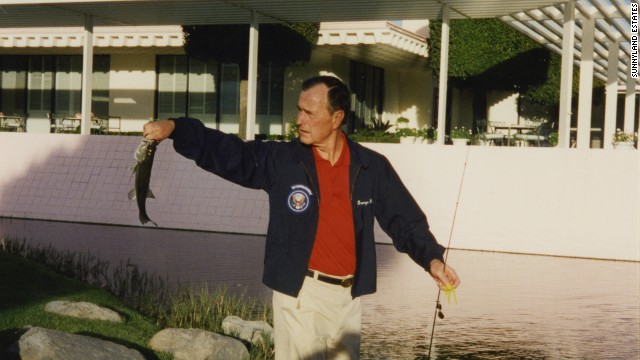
[(304, 153), (358, 154)]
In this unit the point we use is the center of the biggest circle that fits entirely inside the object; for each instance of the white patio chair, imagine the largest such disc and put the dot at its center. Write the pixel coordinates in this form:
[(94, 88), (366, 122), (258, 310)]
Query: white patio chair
[(488, 134), (538, 136), (54, 121)]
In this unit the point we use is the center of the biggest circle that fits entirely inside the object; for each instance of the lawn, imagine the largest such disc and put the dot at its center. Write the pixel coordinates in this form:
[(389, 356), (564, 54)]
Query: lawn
[(25, 288)]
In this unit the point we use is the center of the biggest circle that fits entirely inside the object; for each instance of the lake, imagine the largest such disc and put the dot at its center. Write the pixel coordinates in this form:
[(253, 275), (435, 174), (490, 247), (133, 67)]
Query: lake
[(509, 305)]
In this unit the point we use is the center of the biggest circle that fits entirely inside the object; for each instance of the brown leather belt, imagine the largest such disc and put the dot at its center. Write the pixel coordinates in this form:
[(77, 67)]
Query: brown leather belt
[(331, 280)]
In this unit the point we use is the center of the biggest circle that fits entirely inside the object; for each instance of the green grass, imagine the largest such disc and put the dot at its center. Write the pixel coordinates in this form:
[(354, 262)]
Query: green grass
[(26, 287), (32, 276)]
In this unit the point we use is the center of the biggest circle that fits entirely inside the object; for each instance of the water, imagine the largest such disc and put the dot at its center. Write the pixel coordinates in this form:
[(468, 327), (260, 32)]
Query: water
[(509, 306)]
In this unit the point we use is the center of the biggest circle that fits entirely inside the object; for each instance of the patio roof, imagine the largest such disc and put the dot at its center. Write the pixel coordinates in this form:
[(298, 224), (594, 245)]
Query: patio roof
[(17, 13), (375, 42), (539, 19), (612, 23), (20, 40)]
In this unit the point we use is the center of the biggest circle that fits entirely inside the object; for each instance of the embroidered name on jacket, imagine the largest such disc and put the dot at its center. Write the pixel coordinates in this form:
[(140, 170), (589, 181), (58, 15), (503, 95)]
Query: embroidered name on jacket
[(365, 203), (298, 199)]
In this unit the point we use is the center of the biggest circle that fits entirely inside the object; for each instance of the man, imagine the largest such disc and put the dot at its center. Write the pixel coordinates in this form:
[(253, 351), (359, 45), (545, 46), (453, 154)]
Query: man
[(324, 193)]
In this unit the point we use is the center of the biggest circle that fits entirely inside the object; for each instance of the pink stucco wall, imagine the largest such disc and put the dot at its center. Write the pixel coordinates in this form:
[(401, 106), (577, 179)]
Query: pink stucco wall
[(566, 202), (87, 178)]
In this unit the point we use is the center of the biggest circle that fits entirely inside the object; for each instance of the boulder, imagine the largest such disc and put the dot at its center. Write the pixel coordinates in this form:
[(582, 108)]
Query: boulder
[(196, 344), (250, 331), (83, 310), (46, 344)]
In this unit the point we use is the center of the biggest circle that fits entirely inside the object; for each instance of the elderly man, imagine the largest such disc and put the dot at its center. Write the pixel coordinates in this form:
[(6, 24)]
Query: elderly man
[(324, 193)]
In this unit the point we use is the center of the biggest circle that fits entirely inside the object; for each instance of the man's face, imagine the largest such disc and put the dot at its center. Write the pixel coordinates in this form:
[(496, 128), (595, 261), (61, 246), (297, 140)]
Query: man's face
[(315, 123)]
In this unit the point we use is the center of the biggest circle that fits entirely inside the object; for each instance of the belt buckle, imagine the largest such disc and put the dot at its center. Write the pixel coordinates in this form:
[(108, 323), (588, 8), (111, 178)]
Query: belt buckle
[(347, 282)]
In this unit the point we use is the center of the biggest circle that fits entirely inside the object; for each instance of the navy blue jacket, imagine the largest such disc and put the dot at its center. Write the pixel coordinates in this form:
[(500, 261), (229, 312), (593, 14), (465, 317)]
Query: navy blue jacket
[(287, 172)]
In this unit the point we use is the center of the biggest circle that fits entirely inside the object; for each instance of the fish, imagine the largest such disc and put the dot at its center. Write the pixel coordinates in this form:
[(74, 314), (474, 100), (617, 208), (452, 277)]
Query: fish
[(144, 155)]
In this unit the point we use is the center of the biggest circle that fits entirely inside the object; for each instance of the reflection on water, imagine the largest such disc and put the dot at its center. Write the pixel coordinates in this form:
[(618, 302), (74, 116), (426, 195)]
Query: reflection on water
[(509, 306), (184, 256)]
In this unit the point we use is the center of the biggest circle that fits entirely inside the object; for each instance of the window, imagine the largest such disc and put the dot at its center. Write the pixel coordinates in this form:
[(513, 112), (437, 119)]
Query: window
[(270, 90), (230, 98), (100, 84), (13, 85), (37, 85), (172, 86), (367, 85), (187, 87), (270, 100), (202, 90), (211, 92), (68, 85), (40, 85)]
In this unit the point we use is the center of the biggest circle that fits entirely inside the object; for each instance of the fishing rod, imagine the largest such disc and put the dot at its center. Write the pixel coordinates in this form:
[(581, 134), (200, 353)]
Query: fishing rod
[(438, 310)]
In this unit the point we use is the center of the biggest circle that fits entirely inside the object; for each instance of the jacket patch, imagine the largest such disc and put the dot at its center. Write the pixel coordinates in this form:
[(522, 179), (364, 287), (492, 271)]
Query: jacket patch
[(298, 199)]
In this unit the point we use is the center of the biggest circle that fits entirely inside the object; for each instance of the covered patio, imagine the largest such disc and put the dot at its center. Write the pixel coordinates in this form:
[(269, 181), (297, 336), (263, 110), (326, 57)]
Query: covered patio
[(596, 35), (558, 205)]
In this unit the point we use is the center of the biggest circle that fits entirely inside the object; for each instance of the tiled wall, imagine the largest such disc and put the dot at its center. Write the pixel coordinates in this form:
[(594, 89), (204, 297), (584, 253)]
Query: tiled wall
[(87, 178), (567, 202)]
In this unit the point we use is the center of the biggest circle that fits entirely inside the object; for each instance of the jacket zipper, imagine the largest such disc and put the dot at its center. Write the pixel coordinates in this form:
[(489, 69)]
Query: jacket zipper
[(353, 184)]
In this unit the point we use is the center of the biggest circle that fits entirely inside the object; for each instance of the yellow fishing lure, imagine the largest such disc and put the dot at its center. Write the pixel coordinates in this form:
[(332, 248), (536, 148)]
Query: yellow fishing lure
[(448, 290)]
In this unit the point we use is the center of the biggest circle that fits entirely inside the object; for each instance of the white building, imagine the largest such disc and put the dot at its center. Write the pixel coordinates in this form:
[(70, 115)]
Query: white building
[(142, 73)]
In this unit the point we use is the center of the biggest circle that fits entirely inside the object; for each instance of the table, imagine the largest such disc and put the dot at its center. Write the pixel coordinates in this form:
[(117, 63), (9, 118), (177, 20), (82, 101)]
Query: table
[(13, 123), (100, 124), (71, 123), (517, 127), (68, 124), (114, 128)]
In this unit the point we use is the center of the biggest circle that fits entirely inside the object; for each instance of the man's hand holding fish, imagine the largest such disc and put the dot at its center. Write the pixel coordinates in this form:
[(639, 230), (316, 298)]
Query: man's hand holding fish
[(158, 130)]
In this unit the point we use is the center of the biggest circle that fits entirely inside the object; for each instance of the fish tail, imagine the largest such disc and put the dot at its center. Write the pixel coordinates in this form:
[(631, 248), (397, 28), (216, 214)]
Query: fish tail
[(145, 219)]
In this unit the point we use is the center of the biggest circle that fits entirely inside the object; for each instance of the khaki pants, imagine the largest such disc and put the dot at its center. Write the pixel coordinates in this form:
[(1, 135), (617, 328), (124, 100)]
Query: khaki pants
[(323, 322)]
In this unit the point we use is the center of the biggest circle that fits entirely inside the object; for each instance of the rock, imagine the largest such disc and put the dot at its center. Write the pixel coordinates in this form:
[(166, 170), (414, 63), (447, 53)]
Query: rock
[(251, 331), (83, 310), (46, 344), (196, 344)]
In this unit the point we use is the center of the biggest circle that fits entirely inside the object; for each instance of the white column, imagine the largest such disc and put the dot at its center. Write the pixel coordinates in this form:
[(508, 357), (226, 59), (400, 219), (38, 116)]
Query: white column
[(252, 81), (629, 104), (586, 84), (444, 73), (568, 40), (87, 75), (611, 99)]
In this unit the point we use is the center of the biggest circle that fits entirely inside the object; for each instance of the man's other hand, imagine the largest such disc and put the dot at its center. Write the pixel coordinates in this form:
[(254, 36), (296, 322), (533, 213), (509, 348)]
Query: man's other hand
[(443, 274)]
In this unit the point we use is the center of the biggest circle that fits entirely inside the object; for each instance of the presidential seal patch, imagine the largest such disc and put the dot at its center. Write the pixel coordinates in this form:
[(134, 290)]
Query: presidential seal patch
[(298, 199)]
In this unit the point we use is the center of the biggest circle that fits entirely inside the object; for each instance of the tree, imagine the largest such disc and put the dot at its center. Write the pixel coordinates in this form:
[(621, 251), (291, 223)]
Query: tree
[(476, 45), (282, 44), (489, 55)]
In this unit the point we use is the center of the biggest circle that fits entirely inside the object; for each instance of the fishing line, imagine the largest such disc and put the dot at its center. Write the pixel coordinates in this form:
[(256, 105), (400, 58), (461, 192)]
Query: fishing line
[(438, 310)]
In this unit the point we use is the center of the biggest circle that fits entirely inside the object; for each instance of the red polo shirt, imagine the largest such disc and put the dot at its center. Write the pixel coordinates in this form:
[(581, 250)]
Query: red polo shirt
[(334, 247)]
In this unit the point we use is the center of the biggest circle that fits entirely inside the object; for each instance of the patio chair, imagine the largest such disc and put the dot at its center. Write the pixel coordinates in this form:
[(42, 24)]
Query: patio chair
[(488, 134), (54, 122), (538, 136), (17, 123)]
